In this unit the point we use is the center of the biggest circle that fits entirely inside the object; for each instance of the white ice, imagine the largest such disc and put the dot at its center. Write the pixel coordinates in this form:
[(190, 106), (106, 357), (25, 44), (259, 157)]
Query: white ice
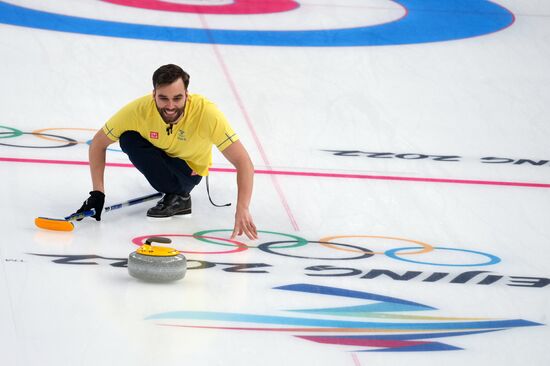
[(466, 100)]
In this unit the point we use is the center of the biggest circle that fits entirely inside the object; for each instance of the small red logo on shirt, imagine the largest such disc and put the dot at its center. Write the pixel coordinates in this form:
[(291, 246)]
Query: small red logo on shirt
[(154, 135)]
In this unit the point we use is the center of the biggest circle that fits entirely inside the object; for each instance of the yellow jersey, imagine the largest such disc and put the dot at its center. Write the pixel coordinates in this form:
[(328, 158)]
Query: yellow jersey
[(191, 139)]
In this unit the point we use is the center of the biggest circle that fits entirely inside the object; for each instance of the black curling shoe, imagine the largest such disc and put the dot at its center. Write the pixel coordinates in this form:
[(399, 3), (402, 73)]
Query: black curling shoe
[(171, 205)]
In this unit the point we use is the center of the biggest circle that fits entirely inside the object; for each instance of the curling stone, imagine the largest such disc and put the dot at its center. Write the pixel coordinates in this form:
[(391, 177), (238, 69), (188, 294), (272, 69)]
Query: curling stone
[(157, 264)]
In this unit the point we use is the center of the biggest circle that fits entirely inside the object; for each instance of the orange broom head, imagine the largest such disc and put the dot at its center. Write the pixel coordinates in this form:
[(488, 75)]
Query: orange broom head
[(53, 224)]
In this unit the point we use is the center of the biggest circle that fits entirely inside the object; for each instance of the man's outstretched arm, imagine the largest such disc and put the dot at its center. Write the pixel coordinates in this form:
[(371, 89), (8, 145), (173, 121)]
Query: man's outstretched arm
[(238, 156)]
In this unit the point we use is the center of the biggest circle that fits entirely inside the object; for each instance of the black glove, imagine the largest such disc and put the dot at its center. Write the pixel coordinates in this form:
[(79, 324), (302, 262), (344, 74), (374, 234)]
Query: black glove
[(95, 201)]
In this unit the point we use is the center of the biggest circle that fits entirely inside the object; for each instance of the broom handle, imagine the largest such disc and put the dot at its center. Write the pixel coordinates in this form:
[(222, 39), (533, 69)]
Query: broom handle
[(134, 201), (131, 202)]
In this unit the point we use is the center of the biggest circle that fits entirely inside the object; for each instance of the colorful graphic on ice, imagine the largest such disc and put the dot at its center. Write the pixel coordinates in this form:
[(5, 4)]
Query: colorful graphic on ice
[(401, 333), (213, 6), (425, 21)]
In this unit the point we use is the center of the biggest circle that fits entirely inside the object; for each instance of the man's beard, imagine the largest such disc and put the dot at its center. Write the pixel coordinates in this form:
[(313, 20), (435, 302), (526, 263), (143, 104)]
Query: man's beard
[(170, 118)]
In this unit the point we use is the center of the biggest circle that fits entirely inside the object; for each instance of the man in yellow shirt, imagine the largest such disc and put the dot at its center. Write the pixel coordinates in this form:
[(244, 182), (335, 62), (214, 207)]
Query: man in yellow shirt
[(168, 136)]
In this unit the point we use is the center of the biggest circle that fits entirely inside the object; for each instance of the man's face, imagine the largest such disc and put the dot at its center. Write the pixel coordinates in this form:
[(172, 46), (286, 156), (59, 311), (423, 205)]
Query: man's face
[(170, 100)]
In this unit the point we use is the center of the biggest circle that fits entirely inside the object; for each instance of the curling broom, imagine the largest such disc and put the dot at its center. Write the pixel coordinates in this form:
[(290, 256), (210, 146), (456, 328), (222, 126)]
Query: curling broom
[(67, 225)]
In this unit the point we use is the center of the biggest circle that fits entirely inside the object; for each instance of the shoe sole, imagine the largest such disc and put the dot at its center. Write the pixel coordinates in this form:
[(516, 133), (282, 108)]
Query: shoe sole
[(157, 219), (166, 218)]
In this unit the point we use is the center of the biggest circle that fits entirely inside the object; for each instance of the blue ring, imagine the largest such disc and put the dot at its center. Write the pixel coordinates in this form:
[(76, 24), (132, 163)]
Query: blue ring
[(426, 21), (492, 259)]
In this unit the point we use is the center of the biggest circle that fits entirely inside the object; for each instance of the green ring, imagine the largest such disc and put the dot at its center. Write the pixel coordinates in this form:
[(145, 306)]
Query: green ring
[(300, 241), (15, 132)]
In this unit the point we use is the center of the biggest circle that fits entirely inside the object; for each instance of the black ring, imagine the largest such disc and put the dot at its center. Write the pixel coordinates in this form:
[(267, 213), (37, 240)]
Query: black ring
[(367, 253), (71, 142)]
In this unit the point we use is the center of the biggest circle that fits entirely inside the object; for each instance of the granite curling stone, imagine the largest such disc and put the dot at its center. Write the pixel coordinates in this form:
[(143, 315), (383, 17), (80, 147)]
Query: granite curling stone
[(157, 264)]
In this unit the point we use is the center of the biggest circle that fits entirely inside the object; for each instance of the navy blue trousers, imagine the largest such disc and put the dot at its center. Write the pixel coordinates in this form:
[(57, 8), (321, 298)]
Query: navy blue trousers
[(164, 173)]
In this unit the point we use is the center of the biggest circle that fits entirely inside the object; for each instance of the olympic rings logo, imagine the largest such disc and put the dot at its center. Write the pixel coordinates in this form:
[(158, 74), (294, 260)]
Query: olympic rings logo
[(64, 141), (347, 251)]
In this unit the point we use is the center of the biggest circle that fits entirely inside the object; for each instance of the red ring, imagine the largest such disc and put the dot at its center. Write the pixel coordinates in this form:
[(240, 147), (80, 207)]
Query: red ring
[(240, 246), (237, 7)]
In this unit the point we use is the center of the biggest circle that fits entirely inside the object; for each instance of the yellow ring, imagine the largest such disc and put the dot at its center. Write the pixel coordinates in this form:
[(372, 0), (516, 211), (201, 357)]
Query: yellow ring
[(326, 242), (61, 128)]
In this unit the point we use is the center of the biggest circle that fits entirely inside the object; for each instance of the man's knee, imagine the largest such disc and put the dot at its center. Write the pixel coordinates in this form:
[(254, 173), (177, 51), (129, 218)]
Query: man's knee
[(129, 140)]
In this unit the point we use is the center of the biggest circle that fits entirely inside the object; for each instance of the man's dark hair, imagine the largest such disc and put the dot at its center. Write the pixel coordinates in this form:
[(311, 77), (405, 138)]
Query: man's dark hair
[(167, 74)]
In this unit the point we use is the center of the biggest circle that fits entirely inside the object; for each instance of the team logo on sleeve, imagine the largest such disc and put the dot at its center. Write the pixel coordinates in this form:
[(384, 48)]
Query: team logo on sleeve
[(154, 135)]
